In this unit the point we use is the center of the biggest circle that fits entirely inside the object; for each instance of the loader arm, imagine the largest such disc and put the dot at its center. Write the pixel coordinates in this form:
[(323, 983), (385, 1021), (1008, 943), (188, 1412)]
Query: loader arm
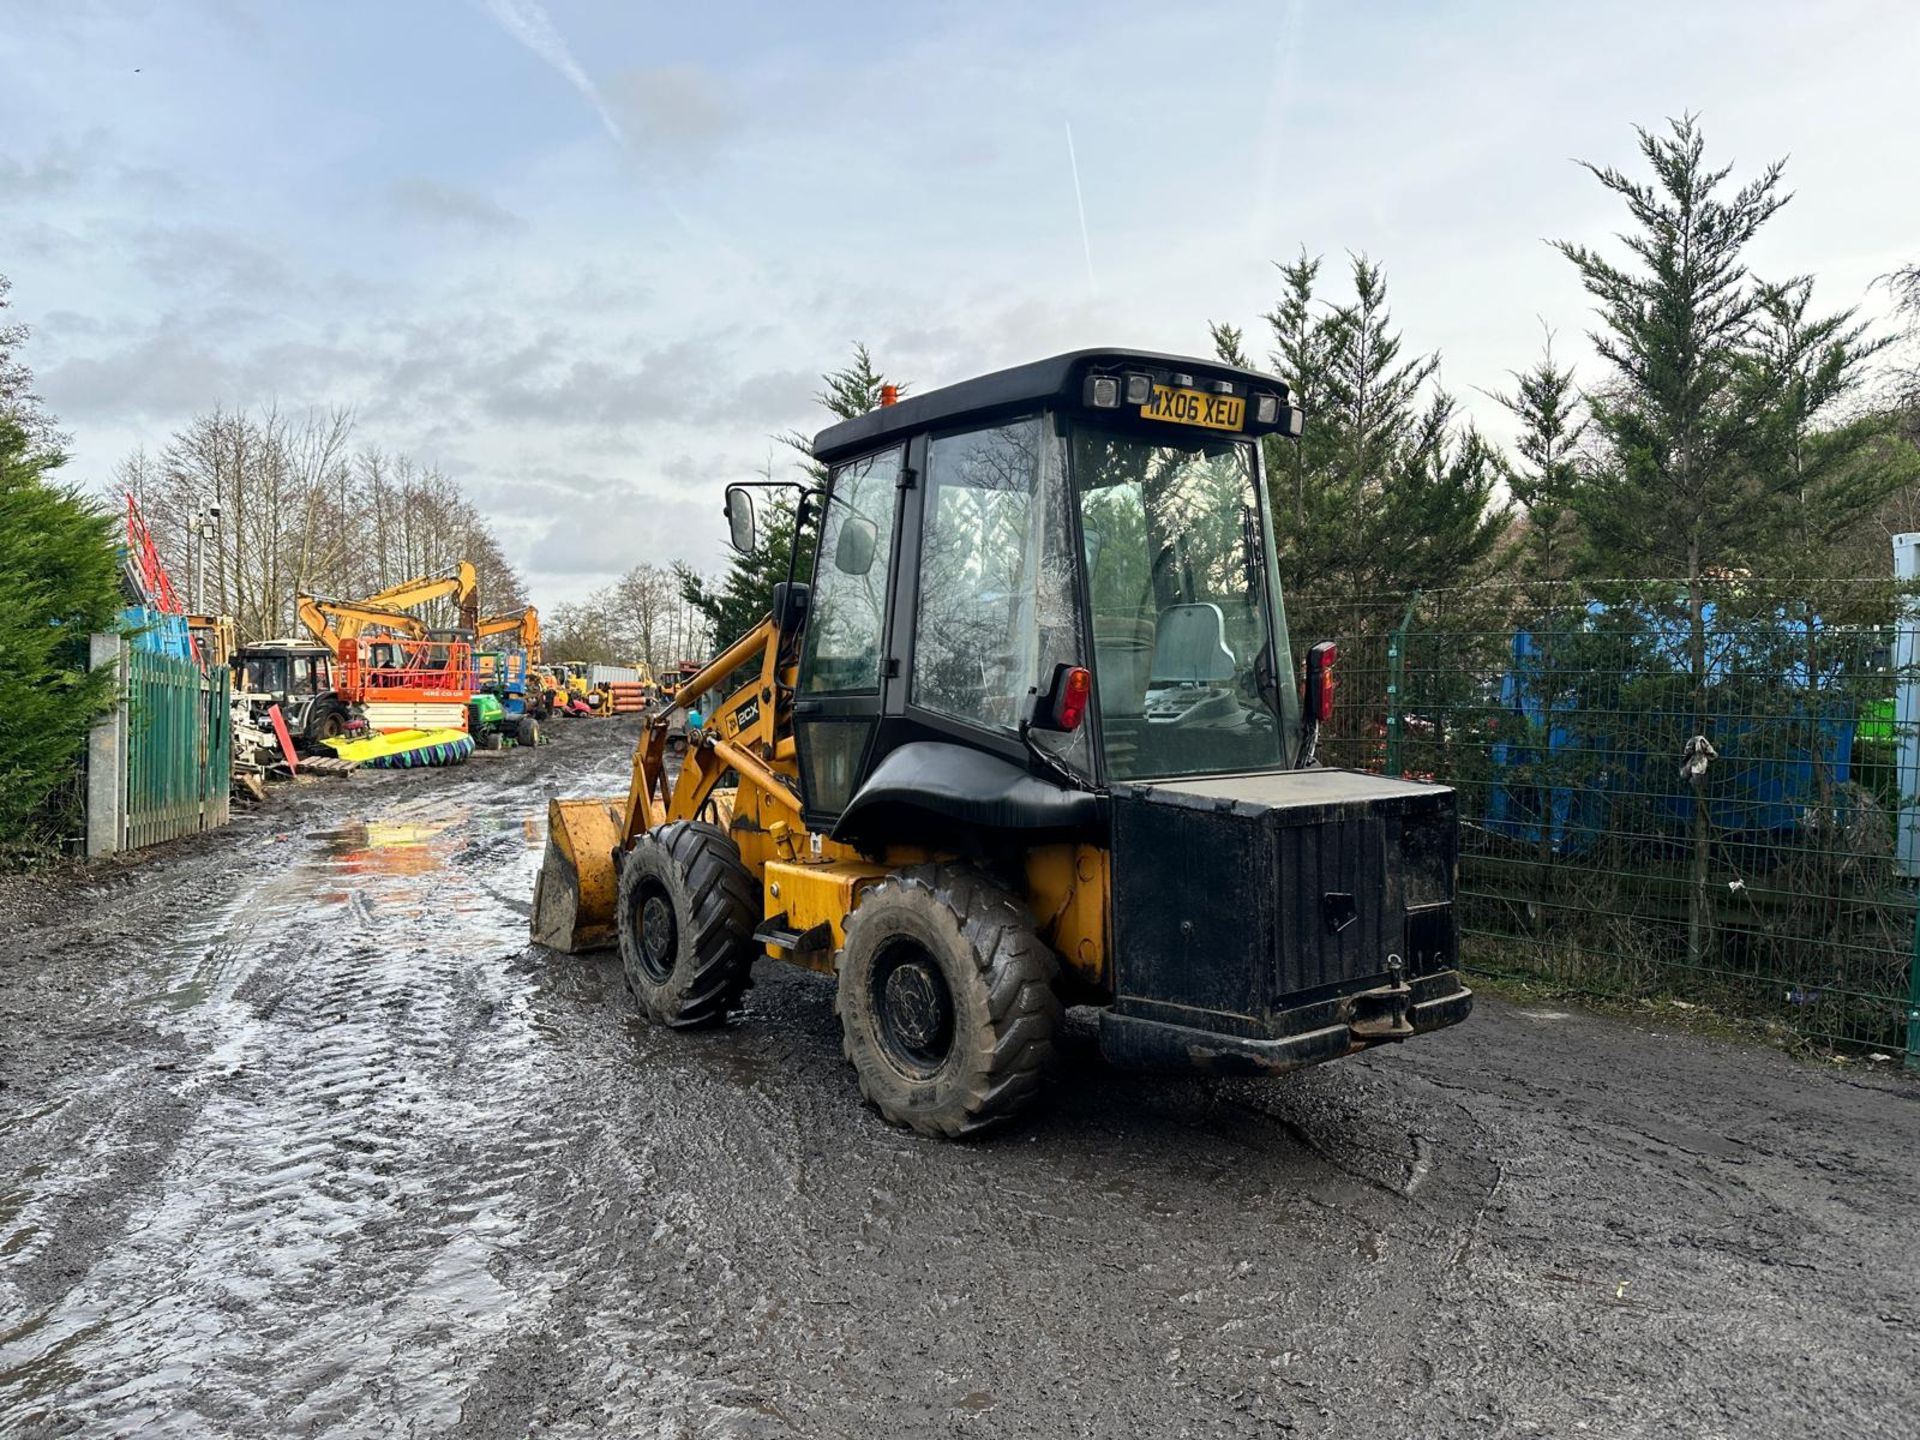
[(749, 735), (740, 736)]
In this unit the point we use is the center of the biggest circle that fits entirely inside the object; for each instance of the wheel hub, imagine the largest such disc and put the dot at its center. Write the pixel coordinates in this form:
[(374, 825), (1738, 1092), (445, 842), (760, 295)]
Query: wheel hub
[(656, 935), (915, 1012)]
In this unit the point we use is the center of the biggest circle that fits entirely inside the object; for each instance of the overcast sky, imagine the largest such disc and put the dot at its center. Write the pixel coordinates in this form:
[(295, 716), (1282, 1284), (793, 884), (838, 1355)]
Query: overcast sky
[(588, 255)]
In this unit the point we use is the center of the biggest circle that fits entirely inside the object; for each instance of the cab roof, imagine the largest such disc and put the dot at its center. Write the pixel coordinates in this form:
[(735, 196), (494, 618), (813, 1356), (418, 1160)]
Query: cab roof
[(283, 647), (1056, 380)]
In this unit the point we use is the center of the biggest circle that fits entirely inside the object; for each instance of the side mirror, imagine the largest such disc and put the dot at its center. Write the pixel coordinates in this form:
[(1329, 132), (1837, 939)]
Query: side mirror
[(853, 551), (741, 532), (790, 601)]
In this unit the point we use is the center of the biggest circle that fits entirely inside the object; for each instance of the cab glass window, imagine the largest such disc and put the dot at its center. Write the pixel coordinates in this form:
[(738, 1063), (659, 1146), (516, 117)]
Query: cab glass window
[(849, 603), (996, 610), (1178, 581)]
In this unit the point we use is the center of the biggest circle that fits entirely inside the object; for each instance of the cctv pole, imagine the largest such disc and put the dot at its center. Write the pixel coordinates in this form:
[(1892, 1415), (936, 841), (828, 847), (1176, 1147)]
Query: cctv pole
[(207, 529)]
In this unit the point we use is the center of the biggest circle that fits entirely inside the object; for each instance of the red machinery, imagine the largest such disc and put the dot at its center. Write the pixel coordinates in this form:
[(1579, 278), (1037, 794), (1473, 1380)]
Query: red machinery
[(405, 684), (146, 562)]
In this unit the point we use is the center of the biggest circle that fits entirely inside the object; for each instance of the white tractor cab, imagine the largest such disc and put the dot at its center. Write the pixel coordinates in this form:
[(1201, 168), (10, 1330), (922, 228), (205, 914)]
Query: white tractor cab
[(296, 675)]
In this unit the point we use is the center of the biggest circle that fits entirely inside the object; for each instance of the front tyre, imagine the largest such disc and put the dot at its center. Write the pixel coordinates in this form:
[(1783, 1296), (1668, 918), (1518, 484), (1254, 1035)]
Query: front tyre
[(685, 915), (946, 1000)]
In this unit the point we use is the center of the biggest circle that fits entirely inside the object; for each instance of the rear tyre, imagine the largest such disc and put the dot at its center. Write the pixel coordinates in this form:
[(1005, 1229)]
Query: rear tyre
[(329, 724), (527, 732), (685, 916), (946, 1000)]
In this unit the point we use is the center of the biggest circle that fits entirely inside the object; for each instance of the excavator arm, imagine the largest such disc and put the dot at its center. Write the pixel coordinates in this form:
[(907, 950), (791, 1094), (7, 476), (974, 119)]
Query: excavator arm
[(524, 625), (334, 623), (461, 583)]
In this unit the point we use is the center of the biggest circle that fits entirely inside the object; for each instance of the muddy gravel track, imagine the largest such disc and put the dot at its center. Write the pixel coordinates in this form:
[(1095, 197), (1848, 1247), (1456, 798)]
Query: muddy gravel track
[(298, 1137)]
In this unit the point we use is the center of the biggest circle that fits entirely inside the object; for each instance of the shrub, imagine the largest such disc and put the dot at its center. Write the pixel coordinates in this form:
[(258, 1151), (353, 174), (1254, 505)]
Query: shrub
[(59, 584)]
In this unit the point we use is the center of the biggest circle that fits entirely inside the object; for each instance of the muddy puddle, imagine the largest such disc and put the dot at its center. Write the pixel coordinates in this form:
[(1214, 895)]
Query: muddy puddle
[(335, 1214)]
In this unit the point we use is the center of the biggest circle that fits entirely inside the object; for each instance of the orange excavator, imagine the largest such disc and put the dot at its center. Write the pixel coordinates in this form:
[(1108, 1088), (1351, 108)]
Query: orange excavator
[(517, 627)]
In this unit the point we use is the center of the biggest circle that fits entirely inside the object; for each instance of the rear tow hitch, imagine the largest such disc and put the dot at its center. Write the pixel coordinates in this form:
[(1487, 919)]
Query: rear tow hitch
[(1385, 1013)]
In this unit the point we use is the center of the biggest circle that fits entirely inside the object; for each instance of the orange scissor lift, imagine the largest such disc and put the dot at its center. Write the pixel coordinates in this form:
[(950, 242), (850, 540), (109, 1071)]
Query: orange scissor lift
[(407, 684)]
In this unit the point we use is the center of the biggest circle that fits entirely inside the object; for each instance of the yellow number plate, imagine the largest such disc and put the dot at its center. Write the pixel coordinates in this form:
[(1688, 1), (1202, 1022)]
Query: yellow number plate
[(1195, 407)]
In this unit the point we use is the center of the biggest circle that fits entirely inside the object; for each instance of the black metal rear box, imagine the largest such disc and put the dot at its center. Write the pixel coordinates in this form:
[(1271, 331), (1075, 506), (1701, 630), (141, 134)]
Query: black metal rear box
[(1272, 920)]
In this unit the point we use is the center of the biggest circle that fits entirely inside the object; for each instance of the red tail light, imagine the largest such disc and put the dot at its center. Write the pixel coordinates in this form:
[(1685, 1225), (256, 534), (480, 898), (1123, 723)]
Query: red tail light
[(1320, 680), (1070, 699)]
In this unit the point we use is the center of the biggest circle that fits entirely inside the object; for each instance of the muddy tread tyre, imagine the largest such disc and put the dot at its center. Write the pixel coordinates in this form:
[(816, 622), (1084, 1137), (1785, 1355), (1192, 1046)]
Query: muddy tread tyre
[(999, 976), (686, 881), (526, 732), (329, 724)]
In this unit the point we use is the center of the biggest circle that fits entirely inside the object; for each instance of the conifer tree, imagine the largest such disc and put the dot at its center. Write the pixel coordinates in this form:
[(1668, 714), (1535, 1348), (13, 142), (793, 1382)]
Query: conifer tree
[(1385, 491), (59, 584), (1680, 495), (1833, 465), (1545, 483)]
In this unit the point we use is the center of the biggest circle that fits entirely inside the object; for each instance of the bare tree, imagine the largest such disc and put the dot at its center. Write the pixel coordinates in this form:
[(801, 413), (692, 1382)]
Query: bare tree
[(18, 400), (302, 510)]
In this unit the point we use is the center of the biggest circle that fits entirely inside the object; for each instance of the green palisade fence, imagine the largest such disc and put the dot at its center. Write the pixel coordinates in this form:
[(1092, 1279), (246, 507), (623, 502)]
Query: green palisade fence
[(179, 757), (1771, 878)]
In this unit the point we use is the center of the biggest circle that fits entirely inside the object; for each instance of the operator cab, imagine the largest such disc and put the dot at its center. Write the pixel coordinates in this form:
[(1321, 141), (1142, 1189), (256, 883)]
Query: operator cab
[(297, 676), (283, 669), (1101, 513)]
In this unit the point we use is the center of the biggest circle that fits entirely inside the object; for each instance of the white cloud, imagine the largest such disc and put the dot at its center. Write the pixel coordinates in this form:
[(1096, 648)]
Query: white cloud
[(424, 228), (433, 203), (528, 22)]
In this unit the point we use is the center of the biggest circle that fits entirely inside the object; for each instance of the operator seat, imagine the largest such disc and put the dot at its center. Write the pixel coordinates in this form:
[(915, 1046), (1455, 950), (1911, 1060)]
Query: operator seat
[(1190, 646)]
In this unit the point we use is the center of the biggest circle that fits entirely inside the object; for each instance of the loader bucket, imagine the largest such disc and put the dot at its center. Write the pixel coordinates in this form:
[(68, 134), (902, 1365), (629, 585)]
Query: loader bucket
[(573, 898)]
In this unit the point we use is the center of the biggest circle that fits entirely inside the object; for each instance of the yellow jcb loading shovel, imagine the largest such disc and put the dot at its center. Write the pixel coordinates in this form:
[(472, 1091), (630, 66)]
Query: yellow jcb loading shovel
[(1030, 738)]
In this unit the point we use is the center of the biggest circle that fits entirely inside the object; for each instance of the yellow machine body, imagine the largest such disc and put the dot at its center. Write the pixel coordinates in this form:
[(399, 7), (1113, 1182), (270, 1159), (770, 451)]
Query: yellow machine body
[(573, 896), (811, 880), (1017, 837)]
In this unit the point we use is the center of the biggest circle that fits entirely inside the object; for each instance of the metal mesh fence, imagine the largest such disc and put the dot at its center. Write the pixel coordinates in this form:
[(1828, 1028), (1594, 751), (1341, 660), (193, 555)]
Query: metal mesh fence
[(1708, 790)]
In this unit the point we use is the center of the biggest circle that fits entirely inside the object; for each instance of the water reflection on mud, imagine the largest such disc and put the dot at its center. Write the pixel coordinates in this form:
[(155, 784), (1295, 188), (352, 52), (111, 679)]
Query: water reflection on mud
[(330, 1228)]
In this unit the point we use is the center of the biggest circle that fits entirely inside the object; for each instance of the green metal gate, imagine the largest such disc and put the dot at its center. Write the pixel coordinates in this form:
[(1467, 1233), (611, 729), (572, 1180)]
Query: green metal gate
[(179, 751)]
